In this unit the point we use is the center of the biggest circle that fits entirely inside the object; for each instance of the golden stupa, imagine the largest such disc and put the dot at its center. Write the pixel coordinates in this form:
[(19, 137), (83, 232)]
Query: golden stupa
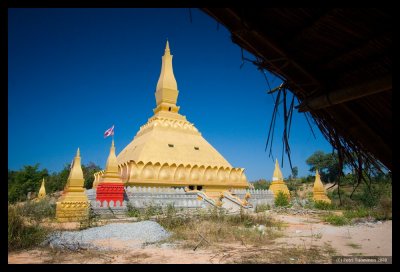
[(42, 191), (111, 173), (277, 182), (319, 193), (170, 151), (73, 204)]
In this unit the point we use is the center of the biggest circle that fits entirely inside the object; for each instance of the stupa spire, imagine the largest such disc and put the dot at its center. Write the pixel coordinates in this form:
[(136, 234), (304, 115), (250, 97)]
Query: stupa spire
[(76, 170), (111, 170), (319, 190), (167, 88), (110, 187), (42, 191), (73, 203), (167, 51), (277, 172), (277, 183)]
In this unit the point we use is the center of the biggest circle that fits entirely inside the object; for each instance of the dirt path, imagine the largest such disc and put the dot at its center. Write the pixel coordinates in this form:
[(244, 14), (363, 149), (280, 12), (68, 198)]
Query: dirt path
[(368, 239), (302, 233)]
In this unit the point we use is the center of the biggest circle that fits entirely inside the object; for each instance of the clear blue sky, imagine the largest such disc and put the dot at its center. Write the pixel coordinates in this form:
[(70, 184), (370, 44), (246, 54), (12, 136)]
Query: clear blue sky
[(73, 73)]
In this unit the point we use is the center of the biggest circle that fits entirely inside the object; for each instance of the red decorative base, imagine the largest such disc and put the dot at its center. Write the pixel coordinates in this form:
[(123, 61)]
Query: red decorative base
[(110, 191)]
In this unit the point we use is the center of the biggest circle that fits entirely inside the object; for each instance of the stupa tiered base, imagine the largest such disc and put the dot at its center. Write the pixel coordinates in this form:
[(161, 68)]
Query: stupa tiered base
[(321, 197), (110, 192), (74, 206), (277, 186)]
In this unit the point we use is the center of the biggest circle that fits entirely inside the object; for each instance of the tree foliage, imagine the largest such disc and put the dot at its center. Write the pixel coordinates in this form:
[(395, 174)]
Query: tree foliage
[(88, 171), (295, 172), (262, 184), (29, 179), (327, 165)]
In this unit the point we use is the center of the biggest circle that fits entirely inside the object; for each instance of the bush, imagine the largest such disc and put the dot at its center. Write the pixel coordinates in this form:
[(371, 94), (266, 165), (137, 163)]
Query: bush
[(261, 184), (20, 234), (281, 200), (292, 185), (170, 211), (38, 210), (359, 212), (323, 205), (151, 211), (91, 220), (336, 220), (132, 211), (262, 208), (384, 209), (369, 199)]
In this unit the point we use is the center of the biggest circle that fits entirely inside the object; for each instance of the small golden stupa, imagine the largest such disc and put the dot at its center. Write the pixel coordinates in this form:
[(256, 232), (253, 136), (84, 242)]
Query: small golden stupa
[(319, 193), (42, 191), (277, 182), (73, 204)]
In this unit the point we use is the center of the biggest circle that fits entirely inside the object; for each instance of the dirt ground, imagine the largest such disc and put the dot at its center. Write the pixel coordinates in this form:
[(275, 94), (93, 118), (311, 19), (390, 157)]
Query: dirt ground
[(302, 235)]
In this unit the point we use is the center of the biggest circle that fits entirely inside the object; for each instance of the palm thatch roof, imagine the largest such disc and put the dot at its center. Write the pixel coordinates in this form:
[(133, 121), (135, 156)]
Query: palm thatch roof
[(337, 62)]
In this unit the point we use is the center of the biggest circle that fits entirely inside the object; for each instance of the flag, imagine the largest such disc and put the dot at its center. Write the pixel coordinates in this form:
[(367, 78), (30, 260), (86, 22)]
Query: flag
[(109, 132)]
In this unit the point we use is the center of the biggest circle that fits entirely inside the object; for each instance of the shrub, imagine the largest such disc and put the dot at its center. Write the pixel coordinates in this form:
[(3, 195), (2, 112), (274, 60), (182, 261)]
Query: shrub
[(90, 221), (384, 209), (38, 210), (20, 234), (369, 199), (281, 200), (359, 212), (336, 220), (132, 211), (262, 208), (170, 210), (323, 205), (152, 210)]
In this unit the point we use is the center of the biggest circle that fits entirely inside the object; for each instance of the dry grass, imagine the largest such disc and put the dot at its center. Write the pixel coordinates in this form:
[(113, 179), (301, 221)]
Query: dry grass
[(211, 229), (287, 255), (353, 245)]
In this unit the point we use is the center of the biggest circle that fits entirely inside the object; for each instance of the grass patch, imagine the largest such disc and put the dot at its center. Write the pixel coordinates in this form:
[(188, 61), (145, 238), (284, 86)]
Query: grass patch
[(356, 254), (336, 220), (39, 210), (92, 220), (359, 212), (23, 234), (323, 205), (281, 200), (215, 226), (287, 255), (132, 211), (262, 208), (353, 245)]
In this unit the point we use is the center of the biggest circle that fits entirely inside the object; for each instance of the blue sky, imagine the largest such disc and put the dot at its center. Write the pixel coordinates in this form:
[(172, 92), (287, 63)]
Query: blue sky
[(73, 73)]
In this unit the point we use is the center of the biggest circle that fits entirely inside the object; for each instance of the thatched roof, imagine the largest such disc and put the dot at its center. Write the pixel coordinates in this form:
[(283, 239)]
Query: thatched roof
[(337, 62)]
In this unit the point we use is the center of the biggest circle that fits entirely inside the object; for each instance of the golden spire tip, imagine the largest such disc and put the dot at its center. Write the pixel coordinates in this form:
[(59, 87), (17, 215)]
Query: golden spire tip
[(167, 46)]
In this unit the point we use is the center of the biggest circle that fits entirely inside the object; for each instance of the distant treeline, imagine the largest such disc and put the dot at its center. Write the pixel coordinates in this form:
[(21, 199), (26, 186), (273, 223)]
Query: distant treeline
[(328, 167), (29, 178)]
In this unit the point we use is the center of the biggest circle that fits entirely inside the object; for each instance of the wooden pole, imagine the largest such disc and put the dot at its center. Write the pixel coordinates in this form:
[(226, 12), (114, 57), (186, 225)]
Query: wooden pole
[(347, 94)]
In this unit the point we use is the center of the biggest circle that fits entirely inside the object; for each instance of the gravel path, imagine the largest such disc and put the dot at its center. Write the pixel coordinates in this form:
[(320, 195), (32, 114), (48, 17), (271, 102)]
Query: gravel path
[(142, 232)]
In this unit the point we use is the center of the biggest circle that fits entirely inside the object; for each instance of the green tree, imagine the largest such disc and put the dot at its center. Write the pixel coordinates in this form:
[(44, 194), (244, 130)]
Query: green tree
[(28, 179), (261, 184), (88, 171), (57, 180), (327, 165), (295, 172)]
